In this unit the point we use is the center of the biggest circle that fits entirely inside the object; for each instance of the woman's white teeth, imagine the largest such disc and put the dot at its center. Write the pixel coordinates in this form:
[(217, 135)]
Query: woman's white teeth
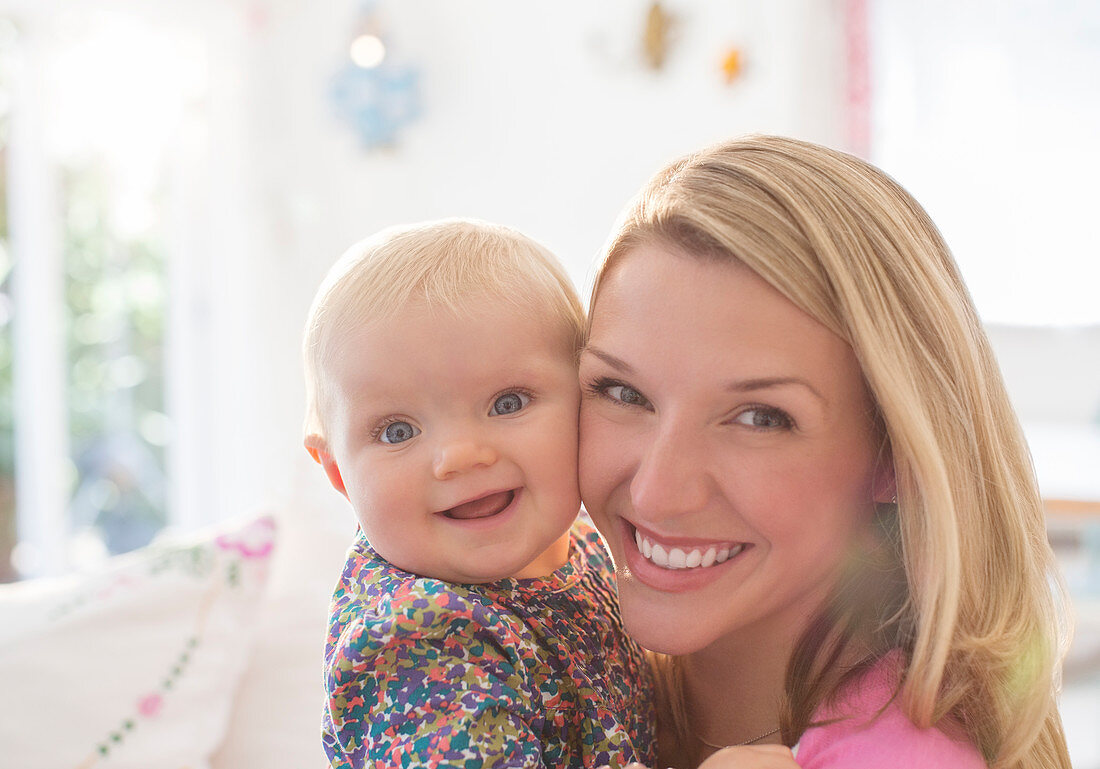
[(677, 559), (681, 558)]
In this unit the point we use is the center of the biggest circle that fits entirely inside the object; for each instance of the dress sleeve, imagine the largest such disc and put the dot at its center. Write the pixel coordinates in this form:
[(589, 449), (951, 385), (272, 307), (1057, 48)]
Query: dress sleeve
[(889, 741), (427, 688)]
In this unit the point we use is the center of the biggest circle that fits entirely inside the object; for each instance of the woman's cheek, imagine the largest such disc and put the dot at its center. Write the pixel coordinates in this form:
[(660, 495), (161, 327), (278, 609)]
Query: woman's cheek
[(596, 458)]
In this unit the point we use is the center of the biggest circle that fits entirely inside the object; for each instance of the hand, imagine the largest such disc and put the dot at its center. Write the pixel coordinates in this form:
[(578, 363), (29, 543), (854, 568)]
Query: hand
[(752, 757)]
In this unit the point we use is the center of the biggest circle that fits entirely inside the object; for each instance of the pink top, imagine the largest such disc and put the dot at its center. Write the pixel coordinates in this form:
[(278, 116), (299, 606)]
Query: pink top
[(862, 741)]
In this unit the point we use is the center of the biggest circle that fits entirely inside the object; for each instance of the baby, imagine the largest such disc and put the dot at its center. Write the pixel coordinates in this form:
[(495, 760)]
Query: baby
[(475, 623)]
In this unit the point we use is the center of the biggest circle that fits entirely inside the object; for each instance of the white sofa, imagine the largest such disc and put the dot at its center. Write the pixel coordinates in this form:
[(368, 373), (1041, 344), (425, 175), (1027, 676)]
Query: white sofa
[(198, 652)]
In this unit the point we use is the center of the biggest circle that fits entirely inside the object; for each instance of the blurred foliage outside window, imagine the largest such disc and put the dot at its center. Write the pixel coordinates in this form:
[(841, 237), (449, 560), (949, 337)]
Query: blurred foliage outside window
[(114, 315), (115, 298)]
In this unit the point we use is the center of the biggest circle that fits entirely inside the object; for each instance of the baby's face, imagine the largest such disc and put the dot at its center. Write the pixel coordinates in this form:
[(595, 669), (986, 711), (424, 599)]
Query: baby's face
[(456, 438)]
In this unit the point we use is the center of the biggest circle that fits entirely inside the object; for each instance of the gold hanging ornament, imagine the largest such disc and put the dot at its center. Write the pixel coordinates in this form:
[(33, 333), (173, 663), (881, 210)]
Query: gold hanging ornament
[(655, 41)]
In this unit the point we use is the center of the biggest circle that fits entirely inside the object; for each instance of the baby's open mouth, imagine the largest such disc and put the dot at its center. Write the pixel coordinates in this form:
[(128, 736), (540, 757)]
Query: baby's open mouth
[(482, 507)]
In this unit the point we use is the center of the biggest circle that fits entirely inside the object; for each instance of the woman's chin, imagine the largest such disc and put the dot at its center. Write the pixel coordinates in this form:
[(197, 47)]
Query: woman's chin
[(666, 627)]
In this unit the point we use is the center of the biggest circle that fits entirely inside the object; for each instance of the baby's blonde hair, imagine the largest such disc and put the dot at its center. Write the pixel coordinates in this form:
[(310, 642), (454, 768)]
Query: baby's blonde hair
[(976, 605), (448, 264)]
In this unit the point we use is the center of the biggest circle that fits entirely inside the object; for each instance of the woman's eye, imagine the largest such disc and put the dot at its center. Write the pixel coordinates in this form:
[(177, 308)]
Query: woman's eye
[(398, 432), (764, 419), (509, 403), (626, 394)]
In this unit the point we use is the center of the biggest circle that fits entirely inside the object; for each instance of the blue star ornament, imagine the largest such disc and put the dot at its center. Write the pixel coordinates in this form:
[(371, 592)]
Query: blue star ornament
[(376, 102)]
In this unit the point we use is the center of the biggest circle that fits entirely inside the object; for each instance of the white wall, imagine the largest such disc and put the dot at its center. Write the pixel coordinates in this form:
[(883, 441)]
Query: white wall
[(537, 115)]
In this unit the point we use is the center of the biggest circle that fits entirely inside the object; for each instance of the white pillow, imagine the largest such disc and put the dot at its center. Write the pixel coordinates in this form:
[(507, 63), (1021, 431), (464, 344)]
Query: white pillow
[(134, 665), (276, 717)]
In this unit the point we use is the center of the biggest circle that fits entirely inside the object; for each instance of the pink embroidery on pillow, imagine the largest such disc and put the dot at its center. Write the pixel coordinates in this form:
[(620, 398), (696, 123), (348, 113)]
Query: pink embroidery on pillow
[(254, 541), (150, 705)]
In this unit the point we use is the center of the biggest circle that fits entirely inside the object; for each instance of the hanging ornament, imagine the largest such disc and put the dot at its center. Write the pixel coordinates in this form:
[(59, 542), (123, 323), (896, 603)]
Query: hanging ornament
[(732, 64), (373, 93), (657, 35)]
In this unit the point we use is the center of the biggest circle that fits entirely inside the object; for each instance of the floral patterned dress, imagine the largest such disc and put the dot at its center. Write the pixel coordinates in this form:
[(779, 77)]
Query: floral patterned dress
[(516, 673)]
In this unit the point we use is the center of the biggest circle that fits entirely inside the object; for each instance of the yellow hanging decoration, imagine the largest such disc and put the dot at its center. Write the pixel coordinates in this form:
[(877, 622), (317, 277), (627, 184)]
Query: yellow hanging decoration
[(655, 42), (732, 65)]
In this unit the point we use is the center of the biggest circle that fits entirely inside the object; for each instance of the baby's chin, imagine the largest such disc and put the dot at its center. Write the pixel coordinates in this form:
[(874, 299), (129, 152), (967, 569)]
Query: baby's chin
[(520, 570), (477, 574)]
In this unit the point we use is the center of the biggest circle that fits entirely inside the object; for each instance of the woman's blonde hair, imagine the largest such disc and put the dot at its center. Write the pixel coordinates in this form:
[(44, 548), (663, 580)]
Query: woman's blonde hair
[(450, 264), (964, 581)]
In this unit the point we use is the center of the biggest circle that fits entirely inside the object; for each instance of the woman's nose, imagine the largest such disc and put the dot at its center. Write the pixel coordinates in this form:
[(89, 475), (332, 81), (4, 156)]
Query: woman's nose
[(461, 455), (670, 479)]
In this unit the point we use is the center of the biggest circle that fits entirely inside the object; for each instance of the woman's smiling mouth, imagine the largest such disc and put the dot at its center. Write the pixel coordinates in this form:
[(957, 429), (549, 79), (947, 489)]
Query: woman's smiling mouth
[(672, 557)]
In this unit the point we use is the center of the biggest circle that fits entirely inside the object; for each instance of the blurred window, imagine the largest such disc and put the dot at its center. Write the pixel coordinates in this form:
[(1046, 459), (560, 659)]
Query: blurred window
[(89, 110), (987, 111)]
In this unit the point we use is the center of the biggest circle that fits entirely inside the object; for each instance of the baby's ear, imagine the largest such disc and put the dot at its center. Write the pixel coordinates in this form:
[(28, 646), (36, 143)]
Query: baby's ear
[(317, 447)]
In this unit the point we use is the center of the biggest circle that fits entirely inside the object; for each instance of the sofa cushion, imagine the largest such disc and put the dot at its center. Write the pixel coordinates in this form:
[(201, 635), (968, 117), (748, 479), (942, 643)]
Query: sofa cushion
[(276, 717), (133, 665)]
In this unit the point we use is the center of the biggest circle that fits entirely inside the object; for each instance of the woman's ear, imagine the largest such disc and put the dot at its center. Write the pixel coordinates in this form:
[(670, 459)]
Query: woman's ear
[(318, 449)]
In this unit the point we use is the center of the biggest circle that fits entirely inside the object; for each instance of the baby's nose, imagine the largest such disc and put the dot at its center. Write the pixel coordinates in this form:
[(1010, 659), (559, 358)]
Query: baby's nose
[(459, 456)]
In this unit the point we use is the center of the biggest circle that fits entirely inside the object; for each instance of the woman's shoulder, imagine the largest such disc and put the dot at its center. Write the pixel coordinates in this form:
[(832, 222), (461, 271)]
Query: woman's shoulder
[(866, 727)]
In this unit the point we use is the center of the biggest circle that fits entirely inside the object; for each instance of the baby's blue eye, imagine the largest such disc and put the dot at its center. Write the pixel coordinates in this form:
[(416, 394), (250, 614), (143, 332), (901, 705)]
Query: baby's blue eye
[(509, 403), (398, 432)]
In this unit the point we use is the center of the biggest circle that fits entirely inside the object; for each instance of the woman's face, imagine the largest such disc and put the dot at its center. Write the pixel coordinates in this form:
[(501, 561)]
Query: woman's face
[(727, 452)]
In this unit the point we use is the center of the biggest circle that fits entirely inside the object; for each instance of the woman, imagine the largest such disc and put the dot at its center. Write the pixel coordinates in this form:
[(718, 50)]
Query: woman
[(798, 445)]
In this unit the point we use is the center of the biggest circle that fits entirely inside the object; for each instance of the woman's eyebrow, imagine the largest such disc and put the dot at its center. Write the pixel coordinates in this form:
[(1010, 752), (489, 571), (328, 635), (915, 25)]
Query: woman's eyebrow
[(609, 359), (738, 385), (764, 383)]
